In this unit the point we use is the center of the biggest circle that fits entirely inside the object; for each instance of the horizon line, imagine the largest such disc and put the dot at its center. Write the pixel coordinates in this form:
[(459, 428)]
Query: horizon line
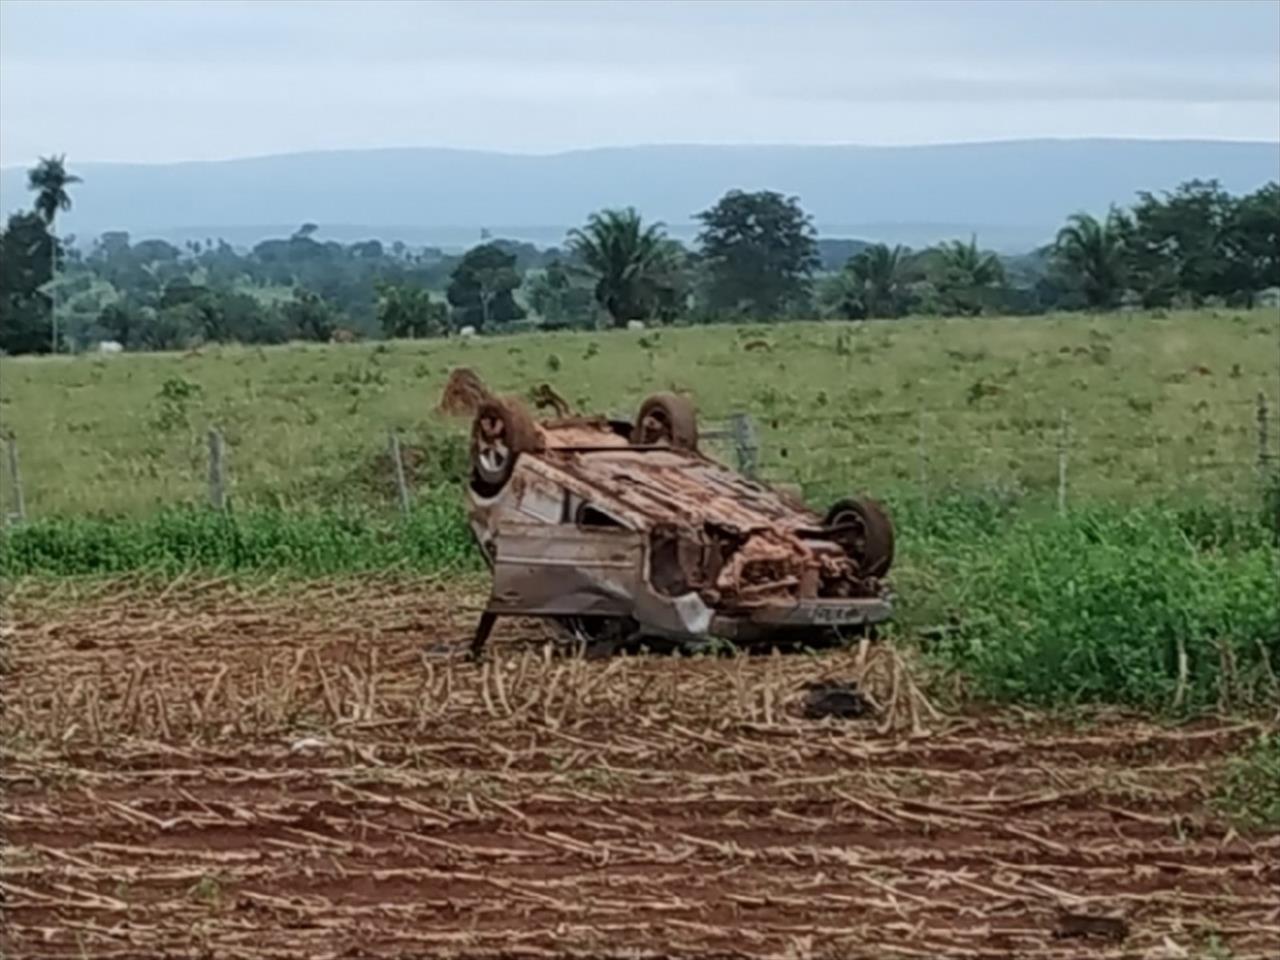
[(653, 145)]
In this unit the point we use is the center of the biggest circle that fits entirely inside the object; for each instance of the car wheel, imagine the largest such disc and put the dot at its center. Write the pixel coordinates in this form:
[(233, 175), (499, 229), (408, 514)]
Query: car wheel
[(499, 434), (667, 418), (863, 528)]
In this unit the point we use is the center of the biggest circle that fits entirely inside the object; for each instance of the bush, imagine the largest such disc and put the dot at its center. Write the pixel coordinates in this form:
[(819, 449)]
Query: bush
[(1117, 606), (434, 538)]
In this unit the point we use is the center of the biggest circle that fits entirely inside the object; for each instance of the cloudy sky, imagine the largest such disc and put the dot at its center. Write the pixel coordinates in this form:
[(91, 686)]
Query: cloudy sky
[(161, 81)]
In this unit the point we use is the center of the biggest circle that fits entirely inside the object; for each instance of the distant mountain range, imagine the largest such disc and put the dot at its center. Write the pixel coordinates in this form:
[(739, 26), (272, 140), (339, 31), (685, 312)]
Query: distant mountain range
[(1012, 194)]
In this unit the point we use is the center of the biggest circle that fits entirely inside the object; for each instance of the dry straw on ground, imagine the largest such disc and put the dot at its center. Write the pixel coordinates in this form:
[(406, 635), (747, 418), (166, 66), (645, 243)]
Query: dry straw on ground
[(205, 767)]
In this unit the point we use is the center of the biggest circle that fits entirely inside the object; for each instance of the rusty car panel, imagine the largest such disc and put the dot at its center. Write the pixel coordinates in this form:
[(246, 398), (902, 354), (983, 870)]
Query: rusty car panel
[(579, 571), (617, 528)]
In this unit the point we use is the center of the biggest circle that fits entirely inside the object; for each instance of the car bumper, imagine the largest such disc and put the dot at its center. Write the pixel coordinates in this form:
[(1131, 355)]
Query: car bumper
[(803, 613)]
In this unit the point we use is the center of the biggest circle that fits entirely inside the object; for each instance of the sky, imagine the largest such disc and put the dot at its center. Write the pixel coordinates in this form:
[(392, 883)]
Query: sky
[(166, 81)]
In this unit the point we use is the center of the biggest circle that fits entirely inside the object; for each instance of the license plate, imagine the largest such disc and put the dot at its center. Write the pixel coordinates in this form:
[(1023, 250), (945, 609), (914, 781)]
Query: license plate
[(837, 614)]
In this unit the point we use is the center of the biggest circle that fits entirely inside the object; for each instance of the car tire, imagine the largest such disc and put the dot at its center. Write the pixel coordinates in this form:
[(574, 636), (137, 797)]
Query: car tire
[(666, 418), (499, 434), (865, 533)]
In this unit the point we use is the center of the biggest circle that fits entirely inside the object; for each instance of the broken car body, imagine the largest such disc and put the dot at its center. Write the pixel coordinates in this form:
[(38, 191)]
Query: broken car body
[(619, 530)]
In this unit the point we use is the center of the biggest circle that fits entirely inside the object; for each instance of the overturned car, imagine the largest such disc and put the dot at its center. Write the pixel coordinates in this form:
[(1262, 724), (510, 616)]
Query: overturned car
[(623, 532)]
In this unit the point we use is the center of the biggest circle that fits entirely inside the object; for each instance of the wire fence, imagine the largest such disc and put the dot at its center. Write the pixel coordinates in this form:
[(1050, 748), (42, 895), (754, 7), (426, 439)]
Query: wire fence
[(926, 452), (917, 449), (931, 450)]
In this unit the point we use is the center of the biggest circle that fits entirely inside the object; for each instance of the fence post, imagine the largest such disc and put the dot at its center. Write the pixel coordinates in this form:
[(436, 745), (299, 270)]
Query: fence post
[(1064, 430), (1263, 454), (217, 471), (398, 463), (745, 443), (922, 458), (1268, 480), (15, 480)]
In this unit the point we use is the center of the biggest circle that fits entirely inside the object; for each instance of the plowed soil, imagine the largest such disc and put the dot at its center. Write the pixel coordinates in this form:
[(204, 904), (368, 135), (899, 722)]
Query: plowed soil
[(204, 770)]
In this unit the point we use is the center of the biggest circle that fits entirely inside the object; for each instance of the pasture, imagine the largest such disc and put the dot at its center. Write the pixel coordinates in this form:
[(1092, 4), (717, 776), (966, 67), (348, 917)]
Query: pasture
[(1155, 407)]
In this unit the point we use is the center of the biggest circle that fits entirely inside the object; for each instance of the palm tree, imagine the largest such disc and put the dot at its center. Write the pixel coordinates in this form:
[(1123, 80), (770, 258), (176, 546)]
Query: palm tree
[(877, 272), (1093, 254), (966, 272), (967, 261), (49, 178), (626, 260)]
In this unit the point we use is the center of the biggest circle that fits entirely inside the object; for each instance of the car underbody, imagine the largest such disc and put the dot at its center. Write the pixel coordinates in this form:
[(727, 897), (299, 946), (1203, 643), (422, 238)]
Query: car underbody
[(624, 532)]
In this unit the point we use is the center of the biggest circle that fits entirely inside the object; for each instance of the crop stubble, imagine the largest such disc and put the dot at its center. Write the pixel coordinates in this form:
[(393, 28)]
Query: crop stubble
[(204, 769)]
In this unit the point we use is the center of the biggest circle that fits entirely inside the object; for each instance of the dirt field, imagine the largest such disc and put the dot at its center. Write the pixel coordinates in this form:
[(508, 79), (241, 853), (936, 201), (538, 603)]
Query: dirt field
[(200, 771)]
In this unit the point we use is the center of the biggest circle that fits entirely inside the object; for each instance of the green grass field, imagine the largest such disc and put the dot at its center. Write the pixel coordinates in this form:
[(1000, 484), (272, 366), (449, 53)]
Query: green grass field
[(1157, 407), (1163, 569)]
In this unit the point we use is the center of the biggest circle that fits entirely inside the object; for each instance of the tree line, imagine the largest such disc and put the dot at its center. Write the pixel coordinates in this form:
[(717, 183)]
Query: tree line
[(757, 257)]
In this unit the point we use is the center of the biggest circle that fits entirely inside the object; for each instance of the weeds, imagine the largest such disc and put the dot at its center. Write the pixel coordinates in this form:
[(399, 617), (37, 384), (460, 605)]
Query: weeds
[(171, 403), (1172, 610), (434, 538), (1104, 606), (1250, 791)]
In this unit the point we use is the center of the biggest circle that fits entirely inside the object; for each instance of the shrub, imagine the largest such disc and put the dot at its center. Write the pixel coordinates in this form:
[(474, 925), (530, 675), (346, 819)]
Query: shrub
[(434, 538), (1118, 606)]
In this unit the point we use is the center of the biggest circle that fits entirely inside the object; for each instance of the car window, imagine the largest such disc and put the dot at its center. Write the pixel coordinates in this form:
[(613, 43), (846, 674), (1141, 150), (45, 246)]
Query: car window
[(590, 516)]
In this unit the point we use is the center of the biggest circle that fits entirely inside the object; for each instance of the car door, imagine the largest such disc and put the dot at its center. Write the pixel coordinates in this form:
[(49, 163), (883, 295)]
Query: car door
[(566, 569)]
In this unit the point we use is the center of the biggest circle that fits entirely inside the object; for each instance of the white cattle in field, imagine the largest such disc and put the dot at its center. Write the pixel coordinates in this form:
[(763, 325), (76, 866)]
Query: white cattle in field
[(635, 324), (110, 346), (467, 332)]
